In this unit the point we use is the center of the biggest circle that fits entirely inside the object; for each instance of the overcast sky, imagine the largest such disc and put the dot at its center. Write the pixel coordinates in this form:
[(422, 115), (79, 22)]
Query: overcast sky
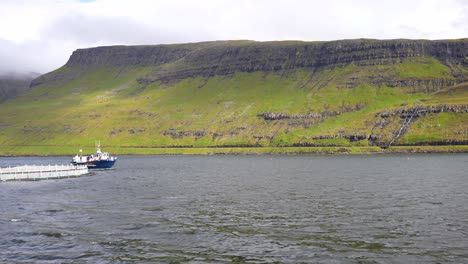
[(40, 35)]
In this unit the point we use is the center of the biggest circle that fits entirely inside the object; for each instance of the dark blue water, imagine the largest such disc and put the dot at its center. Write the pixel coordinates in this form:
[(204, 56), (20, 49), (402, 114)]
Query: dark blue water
[(242, 209)]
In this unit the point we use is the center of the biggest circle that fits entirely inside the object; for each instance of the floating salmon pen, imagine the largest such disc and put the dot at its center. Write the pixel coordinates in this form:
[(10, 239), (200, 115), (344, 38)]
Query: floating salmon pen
[(41, 172)]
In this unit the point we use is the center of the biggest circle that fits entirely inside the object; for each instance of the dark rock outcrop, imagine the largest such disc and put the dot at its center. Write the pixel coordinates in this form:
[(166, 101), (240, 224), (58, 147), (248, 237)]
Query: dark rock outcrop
[(349, 137), (180, 134), (311, 115), (176, 62), (424, 110)]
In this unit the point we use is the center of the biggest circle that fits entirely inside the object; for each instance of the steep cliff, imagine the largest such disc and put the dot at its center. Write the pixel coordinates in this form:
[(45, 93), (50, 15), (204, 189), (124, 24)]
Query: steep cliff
[(246, 93), (177, 62)]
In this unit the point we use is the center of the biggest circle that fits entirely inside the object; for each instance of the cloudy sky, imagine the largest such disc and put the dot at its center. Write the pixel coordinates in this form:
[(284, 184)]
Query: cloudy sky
[(40, 35)]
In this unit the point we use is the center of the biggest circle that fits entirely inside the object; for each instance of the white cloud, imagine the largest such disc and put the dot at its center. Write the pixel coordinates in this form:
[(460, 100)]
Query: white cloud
[(39, 35)]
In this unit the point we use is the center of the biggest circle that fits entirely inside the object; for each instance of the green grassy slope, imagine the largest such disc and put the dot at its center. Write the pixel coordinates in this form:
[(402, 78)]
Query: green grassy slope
[(334, 106)]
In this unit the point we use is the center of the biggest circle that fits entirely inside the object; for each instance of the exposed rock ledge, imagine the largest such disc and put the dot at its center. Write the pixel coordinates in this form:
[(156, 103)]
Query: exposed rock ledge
[(419, 110)]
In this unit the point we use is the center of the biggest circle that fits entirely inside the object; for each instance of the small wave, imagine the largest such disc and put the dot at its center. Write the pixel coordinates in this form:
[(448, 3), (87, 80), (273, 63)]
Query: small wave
[(87, 254), (47, 257), (156, 209), (51, 234), (17, 241), (433, 203), (54, 210), (140, 226)]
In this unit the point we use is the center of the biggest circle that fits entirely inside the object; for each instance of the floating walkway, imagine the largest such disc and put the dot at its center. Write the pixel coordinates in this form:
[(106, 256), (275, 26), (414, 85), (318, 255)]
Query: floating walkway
[(41, 172)]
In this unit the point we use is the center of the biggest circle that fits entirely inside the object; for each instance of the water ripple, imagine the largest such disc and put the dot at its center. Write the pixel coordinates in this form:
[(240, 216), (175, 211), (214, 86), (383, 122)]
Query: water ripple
[(242, 209)]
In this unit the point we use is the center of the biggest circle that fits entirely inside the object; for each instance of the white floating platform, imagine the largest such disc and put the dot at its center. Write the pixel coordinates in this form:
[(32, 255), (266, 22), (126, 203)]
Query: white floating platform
[(41, 172)]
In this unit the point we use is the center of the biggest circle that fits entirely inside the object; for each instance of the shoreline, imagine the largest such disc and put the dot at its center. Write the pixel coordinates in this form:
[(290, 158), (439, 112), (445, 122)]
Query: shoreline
[(40, 151)]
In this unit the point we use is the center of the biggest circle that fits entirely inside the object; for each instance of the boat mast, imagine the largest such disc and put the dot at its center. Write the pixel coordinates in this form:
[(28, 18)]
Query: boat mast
[(98, 145)]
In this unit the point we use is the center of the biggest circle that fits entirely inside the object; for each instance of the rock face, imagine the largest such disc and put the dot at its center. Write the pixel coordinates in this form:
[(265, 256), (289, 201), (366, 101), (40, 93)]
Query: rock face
[(266, 56), (424, 110), (176, 62), (339, 93)]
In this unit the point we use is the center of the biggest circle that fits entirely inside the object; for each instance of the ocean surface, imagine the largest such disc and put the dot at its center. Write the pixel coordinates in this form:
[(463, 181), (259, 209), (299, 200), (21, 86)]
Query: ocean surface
[(242, 209)]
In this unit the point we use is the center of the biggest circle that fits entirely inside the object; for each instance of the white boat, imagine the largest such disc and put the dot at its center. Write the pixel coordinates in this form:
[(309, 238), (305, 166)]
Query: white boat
[(97, 160)]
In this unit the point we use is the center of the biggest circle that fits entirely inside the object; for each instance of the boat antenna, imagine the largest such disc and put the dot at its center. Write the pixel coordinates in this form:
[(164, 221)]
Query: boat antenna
[(98, 144)]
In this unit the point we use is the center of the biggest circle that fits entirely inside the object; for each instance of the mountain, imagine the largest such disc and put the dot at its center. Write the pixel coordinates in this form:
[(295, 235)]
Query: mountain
[(346, 93), (12, 84)]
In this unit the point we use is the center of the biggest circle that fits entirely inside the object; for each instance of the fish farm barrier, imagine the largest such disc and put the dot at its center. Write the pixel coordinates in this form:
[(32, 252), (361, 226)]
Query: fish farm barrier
[(41, 172)]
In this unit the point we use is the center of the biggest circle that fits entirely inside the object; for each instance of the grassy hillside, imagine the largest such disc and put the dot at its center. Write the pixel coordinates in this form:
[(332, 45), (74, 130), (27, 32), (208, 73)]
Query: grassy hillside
[(338, 105)]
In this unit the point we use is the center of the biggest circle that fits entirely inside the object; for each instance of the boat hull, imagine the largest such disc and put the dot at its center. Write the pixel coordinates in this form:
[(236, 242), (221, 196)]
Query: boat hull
[(97, 164)]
